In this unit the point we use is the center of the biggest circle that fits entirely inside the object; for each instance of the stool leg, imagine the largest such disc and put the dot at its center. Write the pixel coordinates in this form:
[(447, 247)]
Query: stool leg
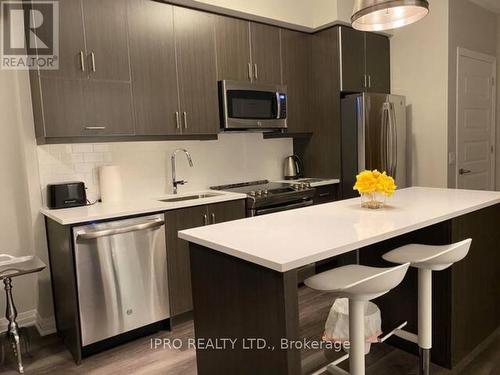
[(424, 318), (13, 328), (357, 337)]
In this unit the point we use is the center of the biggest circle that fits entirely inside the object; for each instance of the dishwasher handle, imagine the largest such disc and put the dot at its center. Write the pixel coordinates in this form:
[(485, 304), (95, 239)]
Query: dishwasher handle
[(151, 224)]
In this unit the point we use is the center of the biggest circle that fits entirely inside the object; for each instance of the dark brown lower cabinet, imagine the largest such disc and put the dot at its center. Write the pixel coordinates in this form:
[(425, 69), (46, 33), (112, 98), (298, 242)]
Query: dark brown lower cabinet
[(326, 194), (179, 267)]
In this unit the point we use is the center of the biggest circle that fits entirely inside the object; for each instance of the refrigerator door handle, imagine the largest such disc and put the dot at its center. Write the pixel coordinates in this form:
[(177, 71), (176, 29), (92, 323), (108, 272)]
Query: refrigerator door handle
[(394, 140), (384, 139)]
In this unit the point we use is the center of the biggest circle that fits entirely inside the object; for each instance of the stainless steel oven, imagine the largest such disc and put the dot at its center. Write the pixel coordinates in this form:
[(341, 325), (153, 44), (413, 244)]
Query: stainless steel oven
[(245, 105)]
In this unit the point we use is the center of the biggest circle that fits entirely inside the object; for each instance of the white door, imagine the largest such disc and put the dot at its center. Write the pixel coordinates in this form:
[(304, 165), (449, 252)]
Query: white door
[(476, 80)]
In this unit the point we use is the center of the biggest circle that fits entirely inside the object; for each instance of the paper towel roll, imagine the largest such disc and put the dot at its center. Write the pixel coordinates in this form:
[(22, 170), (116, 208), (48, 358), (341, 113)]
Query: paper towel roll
[(110, 183)]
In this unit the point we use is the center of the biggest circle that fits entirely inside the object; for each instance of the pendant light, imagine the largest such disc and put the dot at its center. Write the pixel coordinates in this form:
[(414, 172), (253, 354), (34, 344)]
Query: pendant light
[(378, 15)]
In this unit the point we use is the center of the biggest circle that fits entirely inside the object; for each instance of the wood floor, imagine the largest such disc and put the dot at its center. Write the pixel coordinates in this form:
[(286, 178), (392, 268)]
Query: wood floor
[(48, 355)]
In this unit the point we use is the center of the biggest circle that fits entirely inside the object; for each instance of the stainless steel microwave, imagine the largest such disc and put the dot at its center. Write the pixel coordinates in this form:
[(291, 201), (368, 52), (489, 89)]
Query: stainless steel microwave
[(245, 105)]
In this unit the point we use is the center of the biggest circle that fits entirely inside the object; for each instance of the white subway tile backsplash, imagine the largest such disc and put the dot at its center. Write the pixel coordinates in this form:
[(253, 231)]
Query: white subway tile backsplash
[(145, 166), (83, 167), (93, 157), (60, 149), (46, 158), (72, 158), (101, 147), (82, 147)]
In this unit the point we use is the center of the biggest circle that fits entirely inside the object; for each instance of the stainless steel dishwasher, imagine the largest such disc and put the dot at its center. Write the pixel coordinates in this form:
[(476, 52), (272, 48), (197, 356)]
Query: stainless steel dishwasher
[(121, 270)]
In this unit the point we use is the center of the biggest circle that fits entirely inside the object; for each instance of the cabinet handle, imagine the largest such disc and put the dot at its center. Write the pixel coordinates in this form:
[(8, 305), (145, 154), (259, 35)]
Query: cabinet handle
[(205, 219), (213, 217), (82, 61), (95, 127), (249, 71), (177, 123), (255, 72), (366, 82), (184, 115), (92, 60), (322, 195), (369, 81)]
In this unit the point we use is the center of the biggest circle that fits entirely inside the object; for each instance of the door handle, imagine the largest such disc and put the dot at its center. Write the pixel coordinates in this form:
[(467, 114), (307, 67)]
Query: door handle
[(464, 171), (205, 219), (184, 115), (153, 224), (92, 61), (369, 81), (394, 139), (177, 123), (213, 217), (384, 139), (95, 127), (82, 61), (249, 71), (255, 72)]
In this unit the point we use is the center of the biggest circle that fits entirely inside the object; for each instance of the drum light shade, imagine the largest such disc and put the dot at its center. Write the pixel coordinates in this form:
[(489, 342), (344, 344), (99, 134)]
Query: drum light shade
[(378, 15)]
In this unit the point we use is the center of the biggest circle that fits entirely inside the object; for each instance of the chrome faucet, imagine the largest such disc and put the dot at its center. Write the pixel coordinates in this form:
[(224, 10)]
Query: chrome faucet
[(172, 159)]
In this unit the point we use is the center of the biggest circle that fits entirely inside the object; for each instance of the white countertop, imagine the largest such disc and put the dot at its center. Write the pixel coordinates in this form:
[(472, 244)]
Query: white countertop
[(101, 211), (323, 182), (291, 239)]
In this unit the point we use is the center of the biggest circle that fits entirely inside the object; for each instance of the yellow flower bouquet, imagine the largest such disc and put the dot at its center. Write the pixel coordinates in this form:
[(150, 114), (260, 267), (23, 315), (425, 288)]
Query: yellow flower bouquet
[(374, 187)]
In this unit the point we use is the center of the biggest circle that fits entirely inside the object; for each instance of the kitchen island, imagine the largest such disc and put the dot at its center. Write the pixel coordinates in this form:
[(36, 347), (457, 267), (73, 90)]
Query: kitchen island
[(244, 274)]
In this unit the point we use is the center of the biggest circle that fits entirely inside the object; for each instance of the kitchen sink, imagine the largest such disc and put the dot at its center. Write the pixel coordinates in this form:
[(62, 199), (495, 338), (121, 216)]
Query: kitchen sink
[(190, 197)]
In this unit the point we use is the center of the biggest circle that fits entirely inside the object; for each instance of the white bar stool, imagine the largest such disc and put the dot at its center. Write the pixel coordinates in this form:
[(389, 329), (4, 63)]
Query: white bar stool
[(359, 284), (427, 259)]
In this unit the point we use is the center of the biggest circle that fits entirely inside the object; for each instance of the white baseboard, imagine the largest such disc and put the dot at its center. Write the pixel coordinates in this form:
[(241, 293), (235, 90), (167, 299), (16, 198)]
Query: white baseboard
[(44, 326)]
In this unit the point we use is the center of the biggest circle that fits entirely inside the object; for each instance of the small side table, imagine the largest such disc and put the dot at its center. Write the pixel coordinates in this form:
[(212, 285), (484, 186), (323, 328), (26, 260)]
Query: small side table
[(11, 267)]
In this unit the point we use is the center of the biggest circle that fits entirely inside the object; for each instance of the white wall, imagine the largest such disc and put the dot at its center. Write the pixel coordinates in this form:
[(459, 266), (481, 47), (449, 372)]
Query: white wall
[(145, 166), (15, 217), (419, 70), (474, 28)]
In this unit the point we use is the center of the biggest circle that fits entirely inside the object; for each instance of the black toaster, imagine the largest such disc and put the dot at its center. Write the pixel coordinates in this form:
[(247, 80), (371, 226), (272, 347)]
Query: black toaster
[(68, 194)]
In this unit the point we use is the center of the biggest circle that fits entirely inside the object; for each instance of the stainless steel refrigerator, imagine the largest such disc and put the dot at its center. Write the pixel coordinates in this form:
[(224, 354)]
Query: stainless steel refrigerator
[(373, 137)]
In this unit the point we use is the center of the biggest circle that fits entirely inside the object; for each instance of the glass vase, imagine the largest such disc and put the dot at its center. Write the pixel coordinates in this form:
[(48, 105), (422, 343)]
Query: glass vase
[(372, 200)]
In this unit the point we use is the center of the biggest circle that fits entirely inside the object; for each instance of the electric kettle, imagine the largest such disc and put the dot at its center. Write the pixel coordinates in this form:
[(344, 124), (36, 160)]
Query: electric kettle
[(293, 167)]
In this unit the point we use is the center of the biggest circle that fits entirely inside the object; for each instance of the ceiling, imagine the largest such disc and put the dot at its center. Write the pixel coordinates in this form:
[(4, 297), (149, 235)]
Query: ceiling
[(492, 5), (295, 14)]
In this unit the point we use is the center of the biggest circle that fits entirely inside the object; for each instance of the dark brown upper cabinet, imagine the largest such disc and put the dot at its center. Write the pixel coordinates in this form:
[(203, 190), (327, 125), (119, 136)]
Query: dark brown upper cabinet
[(266, 53), (63, 106), (247, 51), (352, 58), (90, 95), (107, 108), (72, 53), (233, 49), (297, 76), (364, 61), (106, 38), (378, 63), (153, 67), (197, 71)]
